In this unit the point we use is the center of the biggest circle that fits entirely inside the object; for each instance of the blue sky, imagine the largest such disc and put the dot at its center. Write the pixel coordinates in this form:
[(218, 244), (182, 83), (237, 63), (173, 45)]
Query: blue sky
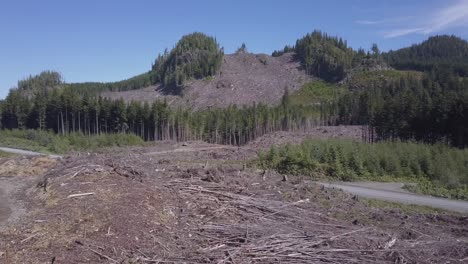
[(91, 40)]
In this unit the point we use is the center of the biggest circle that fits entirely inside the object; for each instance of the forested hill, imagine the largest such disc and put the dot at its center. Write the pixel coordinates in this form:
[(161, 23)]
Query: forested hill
[(443, 52), (217, 97), (199, 57), (133, 83)]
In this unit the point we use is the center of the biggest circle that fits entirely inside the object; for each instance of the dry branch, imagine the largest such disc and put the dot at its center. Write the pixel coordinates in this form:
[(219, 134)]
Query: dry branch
[(102, 255), (79, 195)]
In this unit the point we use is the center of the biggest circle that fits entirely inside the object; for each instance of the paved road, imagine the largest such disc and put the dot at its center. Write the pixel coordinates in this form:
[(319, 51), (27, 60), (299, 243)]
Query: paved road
[(392, 192), (27, 152)]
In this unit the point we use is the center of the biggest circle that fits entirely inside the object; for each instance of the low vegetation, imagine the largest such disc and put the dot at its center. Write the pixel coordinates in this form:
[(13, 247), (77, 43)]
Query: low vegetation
[(437, 169), (315, 93), (405, 208), (4, 154), (49, 142), (365, 79)]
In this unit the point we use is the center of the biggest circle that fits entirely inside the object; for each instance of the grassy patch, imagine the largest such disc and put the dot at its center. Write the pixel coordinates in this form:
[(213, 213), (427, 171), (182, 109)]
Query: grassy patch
[(405, 208), (48, 142), (208, 78), (315, 92), (372, 78), (436, 169), (5, 155)]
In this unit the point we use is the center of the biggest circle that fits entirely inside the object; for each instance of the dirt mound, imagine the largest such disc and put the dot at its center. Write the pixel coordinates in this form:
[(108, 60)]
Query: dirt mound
[(158, 206), (243, 79)]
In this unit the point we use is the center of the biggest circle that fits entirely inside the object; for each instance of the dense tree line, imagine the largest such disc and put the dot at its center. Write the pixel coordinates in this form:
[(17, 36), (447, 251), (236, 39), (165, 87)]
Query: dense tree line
[(195, 56), (44, 79), (66, 111), (134, 83), (328, 57), (53, 79), (286, 49), (438, 52), (430, 109)]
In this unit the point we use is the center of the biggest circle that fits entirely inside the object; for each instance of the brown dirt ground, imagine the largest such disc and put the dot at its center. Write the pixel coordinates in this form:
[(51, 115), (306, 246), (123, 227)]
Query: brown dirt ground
[(25, 166), (243, 79), (320, 132), (198, 203)]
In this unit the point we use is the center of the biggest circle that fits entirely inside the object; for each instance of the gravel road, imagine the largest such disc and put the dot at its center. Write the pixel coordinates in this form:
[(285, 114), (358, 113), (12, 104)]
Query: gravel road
[(26, 152), (392, 192)]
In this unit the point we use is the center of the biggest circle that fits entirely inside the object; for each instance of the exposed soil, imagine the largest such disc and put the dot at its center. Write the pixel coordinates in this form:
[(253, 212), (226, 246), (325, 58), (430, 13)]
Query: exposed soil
[(25, 166), (5, 210), (243, 79), (17, 173), (320, 132), (12, 200), (199, 203)]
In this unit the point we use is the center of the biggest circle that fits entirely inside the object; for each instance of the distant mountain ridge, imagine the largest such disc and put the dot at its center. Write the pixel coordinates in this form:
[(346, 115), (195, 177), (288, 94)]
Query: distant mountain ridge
[(182, 78), (439, 51)]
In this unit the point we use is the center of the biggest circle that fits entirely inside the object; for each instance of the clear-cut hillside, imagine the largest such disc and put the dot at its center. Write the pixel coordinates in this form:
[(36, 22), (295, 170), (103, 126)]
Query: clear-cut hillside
[(243, 79)]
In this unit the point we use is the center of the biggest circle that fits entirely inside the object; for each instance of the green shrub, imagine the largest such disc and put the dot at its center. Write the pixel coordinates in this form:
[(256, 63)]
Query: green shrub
[(49, 142), (438, 169)]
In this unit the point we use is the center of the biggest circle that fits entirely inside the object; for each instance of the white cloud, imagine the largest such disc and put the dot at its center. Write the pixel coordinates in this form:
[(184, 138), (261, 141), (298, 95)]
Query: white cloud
[(402, 32), (367, 22), (447, 17), (383, 21)]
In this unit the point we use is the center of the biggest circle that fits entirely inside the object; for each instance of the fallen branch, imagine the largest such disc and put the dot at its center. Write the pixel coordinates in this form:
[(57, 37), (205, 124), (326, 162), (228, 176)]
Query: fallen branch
[(390, 243), (95, 251), (348, 233), (101, 255), (80, 195), (29, 237)]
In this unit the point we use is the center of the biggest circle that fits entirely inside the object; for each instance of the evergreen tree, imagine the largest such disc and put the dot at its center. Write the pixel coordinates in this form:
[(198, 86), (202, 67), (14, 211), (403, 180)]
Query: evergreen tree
[(195, 56)]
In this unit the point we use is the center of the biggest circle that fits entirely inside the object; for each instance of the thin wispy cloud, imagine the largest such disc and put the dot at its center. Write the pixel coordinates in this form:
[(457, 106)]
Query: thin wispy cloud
[(402, 32), (383, 21), (367, 22), (450, 16)]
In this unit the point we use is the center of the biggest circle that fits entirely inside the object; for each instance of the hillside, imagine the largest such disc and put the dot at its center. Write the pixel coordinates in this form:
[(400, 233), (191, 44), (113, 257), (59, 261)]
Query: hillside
[(447, 52), (327, 82), (243, 79)]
